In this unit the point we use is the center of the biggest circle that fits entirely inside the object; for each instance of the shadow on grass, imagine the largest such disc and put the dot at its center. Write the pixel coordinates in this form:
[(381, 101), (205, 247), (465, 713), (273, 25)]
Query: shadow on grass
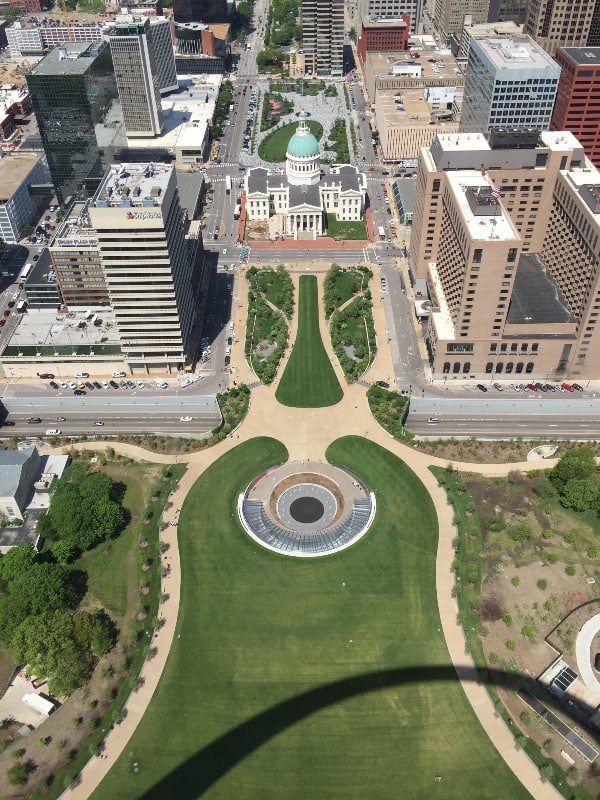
[(195, 776)]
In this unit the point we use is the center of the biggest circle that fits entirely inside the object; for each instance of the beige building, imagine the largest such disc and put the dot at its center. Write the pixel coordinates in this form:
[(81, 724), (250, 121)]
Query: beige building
[(448, 14), (561, 23), (410, 120), (484, 30), (394, 72), (506, 234)]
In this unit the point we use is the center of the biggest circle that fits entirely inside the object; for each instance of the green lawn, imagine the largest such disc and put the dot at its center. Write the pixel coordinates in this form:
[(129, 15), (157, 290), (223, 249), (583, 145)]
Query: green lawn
[(346, 230), (274, 147), (325, 678), (309, 380)]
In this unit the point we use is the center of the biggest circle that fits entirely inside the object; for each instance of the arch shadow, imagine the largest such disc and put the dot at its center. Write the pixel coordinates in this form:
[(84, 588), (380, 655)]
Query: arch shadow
[(194, 777)]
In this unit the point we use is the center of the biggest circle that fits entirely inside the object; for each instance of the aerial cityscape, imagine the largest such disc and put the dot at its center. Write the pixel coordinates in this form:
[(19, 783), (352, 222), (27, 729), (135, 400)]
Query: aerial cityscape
[(299, 399)]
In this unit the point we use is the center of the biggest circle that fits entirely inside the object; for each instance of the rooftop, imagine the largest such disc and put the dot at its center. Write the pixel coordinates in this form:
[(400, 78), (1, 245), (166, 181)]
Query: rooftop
[(11, 464), (485, 220), (411, 108), (536, 298), (516, 52), (582, 55), (134, 185), (14, 169), (70, 58), (76, 230), (432, 66)]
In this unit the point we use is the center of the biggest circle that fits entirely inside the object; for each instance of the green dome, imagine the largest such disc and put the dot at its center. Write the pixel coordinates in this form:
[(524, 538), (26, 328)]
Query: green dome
[(303, 145)]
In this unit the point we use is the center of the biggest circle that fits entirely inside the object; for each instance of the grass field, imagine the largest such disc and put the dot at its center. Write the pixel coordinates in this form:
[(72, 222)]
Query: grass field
[(308, 380), (346, 230), (274, 147), (295, 679)]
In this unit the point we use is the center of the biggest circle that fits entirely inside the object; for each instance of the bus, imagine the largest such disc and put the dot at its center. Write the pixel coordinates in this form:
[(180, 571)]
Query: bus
[(228, 184), (381, 232), (25, 272), (237, 211)]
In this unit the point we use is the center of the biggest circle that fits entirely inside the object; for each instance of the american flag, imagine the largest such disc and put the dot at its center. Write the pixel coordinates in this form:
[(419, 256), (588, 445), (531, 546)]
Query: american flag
[(496, 192)]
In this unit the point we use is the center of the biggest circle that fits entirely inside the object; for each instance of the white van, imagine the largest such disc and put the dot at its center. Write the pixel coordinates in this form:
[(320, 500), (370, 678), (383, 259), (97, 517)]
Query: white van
[(39, 704), (82, 374), (53, 432), (162, 384)]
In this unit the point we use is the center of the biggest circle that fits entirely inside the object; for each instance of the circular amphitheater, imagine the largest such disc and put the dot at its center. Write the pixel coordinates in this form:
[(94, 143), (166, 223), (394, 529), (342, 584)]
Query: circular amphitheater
[(306, 509)]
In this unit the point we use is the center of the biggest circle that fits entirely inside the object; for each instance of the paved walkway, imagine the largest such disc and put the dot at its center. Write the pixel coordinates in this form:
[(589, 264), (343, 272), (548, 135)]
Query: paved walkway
[(307, 433)]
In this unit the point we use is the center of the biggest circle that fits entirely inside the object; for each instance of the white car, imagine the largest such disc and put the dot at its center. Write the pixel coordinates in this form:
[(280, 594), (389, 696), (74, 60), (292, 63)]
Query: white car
[(186, 382), (185, 419), (62, 385), (105, 385), (71, 385), (140, 384), (118, 375), (224, 251), (228, 351), (82, 374), (99, 424), (197, 378)]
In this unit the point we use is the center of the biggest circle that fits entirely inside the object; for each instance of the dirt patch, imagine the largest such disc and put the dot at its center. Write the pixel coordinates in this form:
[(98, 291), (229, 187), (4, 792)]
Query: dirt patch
[(480, 451)]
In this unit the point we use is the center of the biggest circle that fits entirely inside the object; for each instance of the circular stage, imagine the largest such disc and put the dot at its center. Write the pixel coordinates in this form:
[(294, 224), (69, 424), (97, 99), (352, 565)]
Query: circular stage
[(306, 509)]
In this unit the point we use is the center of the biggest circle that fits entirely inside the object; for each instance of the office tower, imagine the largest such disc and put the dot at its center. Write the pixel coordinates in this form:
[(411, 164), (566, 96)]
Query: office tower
[(577, 107), (151, 270), (508, 11), (506, 235), (448, 14), (562, 23), (200, 10), (136, 61), (75, 98), (323, 36), (75, 256), (510, 83), (19, 205), (387, 10), (165, 72)]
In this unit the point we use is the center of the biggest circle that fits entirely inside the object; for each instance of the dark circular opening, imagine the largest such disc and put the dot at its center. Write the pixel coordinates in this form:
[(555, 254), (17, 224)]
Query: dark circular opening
[(307, 509)]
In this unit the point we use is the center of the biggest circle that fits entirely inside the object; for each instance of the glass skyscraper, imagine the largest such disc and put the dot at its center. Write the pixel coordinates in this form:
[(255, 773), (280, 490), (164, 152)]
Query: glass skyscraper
[(75, 98)]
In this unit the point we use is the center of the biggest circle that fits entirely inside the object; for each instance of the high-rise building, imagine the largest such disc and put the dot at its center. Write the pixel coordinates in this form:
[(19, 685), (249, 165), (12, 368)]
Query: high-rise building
[(397, 10), (506, 235), (200, 10), (75, 98), (151, 269), (19, 206), (144, 62), (323, 36), (382, 36), (448, 14), (562, 23), (577, 107), (510, 83)]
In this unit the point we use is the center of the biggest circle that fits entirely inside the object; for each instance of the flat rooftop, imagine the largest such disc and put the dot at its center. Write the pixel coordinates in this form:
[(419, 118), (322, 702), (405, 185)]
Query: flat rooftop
[(583, 55), (536, 298), (64, 333), (517, 52), (142, 184), (76, 230), (485, 220), (70, 58), (14, 169), (413, 111), (434, 65)]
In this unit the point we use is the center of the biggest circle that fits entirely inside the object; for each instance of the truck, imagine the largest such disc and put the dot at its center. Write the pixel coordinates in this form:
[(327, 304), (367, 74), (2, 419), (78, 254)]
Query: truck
[(228, 184), (381, 232), (21, 306), (237, 211), (39, 704)]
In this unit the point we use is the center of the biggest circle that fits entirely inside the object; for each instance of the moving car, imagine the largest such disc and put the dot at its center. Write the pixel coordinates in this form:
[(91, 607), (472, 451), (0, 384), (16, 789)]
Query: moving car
[(61, 419), (433, 420), (185, 419), (79, 392), (99, 424), (383, 384), (82, 374), (118, 375), (53, 432), (34, 420), (46, 376)]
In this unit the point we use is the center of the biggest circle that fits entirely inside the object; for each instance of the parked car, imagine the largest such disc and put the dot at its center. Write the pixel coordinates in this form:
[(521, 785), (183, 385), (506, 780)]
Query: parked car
[(53, 385), (118, 375), (567, 387), (577, 387), (532, 387), (46, 376), (481, 387), (113, 384), (497, 387), (383, 384), (82, 374)]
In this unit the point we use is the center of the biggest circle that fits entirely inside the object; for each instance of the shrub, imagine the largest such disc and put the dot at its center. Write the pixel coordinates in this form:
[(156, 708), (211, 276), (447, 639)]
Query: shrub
[(507, 619), (569, 537), (496, 524), (515, 580), (552, 558), (549, 745), (547, 771), (493, 658), (549, 604), (547, 534), (593, 552), (521, 532), (511, 644), (17, 774), (542, 584), (571, 569), (527, 631), (525, 717)]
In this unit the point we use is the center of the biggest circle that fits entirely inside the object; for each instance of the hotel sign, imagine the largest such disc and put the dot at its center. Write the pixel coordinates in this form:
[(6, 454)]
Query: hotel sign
[(144, 215)]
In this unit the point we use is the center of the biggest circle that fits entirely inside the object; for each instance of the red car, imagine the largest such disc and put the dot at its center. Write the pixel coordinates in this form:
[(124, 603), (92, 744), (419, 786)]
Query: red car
[(7, 312), (567, 387), (47, 217), (371, 169), (532, 387), (2, 323)]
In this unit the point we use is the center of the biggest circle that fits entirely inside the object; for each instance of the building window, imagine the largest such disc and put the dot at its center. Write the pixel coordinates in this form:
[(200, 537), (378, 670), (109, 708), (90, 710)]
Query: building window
[(519, 368), (446, 368), (489, 367), (456, 367), (509, 367), (529, 367), (499, 367)]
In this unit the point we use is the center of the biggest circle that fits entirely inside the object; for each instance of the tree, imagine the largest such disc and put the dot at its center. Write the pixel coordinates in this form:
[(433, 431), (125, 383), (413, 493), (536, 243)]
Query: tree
[(17, 560), (43, 587), (579, 462), (580, 493), (64, 551), (94, 632), (17, 774), (352, 34)]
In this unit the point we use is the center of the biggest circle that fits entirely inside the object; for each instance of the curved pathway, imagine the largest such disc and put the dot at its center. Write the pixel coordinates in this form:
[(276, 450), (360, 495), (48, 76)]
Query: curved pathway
[(583, 652), (307, 433)]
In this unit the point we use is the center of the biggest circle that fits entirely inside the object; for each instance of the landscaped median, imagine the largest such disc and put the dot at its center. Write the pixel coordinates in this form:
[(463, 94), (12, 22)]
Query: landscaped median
[(270, 306), (309, 380), (389, 409)]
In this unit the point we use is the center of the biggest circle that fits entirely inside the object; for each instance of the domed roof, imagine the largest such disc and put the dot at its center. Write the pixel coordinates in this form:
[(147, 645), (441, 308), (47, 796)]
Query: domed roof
[(303, 144)]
